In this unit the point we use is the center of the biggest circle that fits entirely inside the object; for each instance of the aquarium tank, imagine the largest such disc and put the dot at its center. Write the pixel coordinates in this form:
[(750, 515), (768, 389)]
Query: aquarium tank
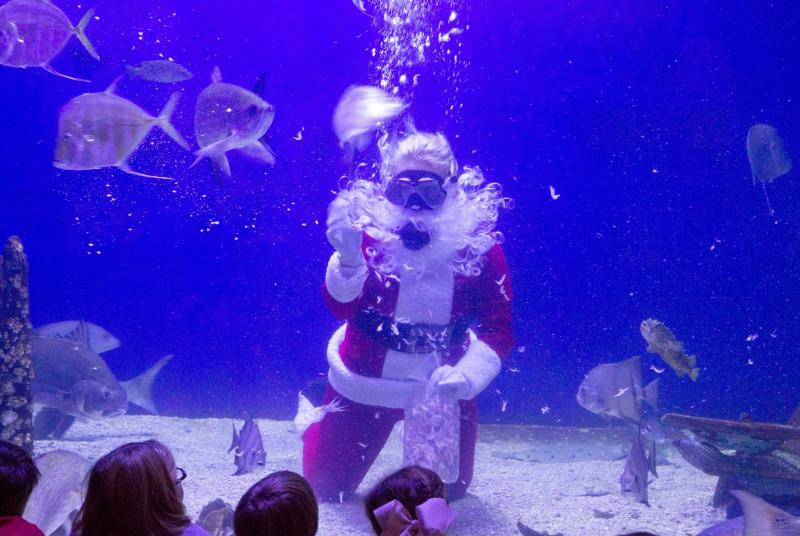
[(548, 250)]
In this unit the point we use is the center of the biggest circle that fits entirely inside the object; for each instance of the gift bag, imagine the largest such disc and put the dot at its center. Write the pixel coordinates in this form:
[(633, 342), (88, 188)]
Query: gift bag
[(432, 433)]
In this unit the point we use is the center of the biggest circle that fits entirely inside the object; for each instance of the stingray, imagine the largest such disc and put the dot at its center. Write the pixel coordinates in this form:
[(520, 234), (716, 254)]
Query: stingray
[(768, 159)]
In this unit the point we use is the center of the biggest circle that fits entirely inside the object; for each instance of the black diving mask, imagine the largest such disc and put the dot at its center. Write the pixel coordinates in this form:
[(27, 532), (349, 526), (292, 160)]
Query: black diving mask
[(416, 189)]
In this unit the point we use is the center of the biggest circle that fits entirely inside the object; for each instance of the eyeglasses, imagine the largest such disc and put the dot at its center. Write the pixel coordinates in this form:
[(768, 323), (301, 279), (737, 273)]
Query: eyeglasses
[(428, 187), (180, 474)]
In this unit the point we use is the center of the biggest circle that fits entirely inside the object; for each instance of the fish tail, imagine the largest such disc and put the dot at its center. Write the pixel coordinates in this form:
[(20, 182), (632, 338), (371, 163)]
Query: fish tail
[(139, 389), (80, 32), (694, 373), (166, 126), (216, 152)]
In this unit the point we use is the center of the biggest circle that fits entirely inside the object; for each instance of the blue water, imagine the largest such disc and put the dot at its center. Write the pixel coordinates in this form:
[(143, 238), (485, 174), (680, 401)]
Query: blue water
[(636, 114)]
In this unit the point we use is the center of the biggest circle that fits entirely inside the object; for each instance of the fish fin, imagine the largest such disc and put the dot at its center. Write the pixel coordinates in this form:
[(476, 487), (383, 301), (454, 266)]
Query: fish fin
[(651, 348), (216, 152), (694, 373), (652, 458), (650, 393), (47, 67), (216, 75), (80, 32), (124, 167), (260, 85), (235, 439), (139, 389), (131, 71), (112, 87), (79, 334), (52, 397), (163, 120), (259, 151)]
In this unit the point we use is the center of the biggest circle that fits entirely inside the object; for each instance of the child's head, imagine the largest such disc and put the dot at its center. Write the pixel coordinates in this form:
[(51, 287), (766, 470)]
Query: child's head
[(282, 503), (18, 477), (134, 490), (412, 486)]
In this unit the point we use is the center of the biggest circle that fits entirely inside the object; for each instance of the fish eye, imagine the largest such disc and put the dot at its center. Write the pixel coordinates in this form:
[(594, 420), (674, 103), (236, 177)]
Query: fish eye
[(106, 395), (252, 109)]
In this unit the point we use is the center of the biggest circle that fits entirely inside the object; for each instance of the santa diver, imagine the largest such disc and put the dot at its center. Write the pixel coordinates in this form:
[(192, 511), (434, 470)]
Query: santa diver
[(420, 279)]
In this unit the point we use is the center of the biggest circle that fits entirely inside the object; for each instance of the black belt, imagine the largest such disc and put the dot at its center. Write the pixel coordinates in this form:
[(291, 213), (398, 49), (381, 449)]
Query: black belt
[(407, 337)]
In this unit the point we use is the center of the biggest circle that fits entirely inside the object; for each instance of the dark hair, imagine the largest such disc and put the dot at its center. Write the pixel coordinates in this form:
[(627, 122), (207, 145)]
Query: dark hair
[(132, 492), (280, 504), (639, 533), (412, 486), (18, 477)]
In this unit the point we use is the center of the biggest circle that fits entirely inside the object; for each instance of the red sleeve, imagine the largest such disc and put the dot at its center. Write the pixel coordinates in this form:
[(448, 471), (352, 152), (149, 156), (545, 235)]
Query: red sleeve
[(494, 319), (342, 311)]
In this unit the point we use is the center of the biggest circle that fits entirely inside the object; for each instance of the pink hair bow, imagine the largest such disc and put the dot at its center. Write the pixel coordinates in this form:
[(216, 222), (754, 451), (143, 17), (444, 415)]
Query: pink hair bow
[(433, 518)]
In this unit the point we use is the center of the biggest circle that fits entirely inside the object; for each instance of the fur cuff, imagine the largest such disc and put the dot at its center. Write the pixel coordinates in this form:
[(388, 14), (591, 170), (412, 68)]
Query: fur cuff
[(344, 283), (366, 389), (480, 365)]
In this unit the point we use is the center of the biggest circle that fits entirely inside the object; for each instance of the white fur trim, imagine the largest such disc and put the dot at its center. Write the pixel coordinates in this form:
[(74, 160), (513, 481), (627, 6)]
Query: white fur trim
[(367, 390), (480, 365), (344, 283)]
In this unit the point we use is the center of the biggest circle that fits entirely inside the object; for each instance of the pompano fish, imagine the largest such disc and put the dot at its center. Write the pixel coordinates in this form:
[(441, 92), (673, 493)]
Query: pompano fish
[(615, 389), (361, 111), (661, 341), (72, 381), (228, 117), (164, 71), (248, 447), (33, 32), (98, 130), (307, 414), (59, 491), (100, 340)]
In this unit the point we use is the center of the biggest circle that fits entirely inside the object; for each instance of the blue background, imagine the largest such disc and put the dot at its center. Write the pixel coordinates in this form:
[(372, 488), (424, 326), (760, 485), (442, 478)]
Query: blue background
[(636, 113)]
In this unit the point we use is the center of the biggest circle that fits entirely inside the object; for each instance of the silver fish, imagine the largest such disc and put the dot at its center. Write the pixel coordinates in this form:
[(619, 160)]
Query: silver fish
[(165, 71), (59, 491), (768, 159), (615, 389), (361, 111), (228, 117), (33, 32), (98, 130), (73, 381), (100, 340), (760, 517), (248, 447), (633, 481)]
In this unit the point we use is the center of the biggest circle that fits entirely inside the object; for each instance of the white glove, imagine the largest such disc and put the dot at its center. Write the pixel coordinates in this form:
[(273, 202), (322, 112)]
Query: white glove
[(342, 235), (449, 381)]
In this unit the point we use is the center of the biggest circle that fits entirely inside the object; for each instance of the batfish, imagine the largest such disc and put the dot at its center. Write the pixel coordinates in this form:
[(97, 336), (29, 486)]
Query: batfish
[(248, 447), (633, 481), (33, 32)]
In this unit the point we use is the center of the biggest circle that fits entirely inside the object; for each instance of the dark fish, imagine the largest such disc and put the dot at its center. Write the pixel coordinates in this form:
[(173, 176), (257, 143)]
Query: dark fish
[(75, 381), (661, 341), (614, 389), (98, 130), (760, 517), (633, 481), (164, 71), (249, 447), (59, 492), (729, 527), (33, 32), (527, 531), (228, 117)]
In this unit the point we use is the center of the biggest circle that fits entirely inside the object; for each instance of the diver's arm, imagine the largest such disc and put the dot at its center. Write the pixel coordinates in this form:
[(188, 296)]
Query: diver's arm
[(347, 269), (493, 339)]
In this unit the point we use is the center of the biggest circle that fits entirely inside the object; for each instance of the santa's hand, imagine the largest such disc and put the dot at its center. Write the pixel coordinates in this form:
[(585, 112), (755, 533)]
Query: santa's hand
[(450, 381), (345, 238)]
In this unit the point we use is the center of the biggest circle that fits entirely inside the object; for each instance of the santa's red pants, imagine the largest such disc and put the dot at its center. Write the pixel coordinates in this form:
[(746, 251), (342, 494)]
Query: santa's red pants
[(338, 452)]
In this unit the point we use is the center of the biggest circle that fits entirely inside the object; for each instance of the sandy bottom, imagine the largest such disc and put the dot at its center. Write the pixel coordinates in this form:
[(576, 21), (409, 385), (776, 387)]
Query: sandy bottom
[(540, 476)]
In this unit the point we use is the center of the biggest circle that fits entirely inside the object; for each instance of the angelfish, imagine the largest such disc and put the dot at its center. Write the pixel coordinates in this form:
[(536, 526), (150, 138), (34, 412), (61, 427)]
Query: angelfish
[(98, 130), (228, 117), (33, 32), (633, 481), (307, 414), (248, 447)]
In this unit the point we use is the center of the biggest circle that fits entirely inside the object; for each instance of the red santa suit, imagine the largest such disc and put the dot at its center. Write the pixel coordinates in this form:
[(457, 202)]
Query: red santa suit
[(380, 359)]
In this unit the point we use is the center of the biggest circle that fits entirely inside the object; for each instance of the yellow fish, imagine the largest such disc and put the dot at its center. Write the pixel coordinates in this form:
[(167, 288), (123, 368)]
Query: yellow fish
[(661, 341)]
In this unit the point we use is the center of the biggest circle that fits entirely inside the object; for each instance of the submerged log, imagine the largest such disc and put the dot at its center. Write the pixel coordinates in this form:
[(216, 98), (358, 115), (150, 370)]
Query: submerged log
[(16, 367)]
